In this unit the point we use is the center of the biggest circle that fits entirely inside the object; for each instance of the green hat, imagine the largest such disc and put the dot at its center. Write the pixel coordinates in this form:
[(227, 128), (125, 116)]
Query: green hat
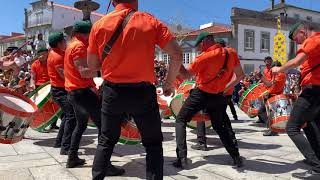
[(82, 27), (294, 28), (220, 41), (55, 38), (201, 37), (41, 50)]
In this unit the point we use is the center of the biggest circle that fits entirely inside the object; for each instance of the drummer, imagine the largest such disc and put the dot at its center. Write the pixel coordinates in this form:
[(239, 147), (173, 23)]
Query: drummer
[(128, 87), (307, 106), (275, 86), (81, 88), (201, 129), (59, 94), (39, 70), (211, 83)]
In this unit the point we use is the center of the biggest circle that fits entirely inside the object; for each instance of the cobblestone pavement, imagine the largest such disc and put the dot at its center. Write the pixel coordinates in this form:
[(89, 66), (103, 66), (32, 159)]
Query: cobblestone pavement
[(267, 158)]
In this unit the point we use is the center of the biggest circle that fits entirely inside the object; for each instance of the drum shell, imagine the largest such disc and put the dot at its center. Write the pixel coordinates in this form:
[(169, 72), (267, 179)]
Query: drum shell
[(129, 133), (252, 94), (48, 112), (278, 109), (14, 123)]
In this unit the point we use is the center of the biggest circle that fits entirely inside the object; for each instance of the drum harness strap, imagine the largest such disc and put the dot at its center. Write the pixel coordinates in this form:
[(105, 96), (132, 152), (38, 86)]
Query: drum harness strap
[(222, 70), (116, 34)]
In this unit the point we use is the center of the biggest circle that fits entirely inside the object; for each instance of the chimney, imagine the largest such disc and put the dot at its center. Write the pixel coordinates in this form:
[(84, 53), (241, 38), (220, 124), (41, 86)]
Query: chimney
[(272, 4)]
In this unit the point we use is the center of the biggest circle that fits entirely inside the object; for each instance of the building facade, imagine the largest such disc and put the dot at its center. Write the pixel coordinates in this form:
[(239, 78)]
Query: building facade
[(46, 17), (253, 32), (15, 39)]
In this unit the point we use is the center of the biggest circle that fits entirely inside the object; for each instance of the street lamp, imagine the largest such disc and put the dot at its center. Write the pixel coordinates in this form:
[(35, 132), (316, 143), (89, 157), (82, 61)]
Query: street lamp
[(86, 6)]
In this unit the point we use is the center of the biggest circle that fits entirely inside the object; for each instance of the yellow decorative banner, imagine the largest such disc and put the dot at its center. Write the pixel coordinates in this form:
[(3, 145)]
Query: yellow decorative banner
[(279, 46)]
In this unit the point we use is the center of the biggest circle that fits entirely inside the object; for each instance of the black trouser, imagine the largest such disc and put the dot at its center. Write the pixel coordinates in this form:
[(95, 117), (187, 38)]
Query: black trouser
[(201, 129), (85, 104), (216, 105), (68, 119), (231, 105), (139, 100), (306, 110)]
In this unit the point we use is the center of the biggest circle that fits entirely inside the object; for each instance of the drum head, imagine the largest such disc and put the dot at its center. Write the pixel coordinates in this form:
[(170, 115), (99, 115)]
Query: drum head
[(176, 104), (41, 94), (16, 103)]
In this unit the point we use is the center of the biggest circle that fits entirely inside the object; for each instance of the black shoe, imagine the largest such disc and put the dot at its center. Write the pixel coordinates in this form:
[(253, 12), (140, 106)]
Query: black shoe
[(57, 145), (181, 163), (75, 162), (270, 133), (310, 175), (238, 161), (114, 171), (198, 146), (63, 152)]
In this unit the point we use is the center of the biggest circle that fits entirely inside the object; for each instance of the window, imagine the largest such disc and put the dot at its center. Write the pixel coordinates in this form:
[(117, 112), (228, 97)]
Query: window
[(248, 39), (248, 68), (186, 58), (265, 42), (309, 18), (39, 18), (296, 16), (166, 58)]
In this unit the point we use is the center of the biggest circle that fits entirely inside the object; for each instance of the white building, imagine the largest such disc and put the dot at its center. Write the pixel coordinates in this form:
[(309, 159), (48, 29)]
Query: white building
[(46, 16), (15, 39), (253, 32)]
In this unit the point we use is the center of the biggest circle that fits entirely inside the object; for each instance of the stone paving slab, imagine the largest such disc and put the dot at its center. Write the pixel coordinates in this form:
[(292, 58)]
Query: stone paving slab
[(267, 158)]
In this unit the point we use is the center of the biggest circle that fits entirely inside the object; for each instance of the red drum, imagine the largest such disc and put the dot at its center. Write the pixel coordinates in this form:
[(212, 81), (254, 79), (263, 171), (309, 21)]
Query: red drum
[(176, 105), (16, 113), (185, 87), (278, 109), (252, 100), (129, 133), (49, 111)]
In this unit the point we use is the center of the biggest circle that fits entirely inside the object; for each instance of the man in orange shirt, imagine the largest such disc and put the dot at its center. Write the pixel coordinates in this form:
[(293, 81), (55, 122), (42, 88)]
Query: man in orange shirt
[(80, 86), (59, 94), (275, 86), (39, 70), (201, 129), (307, 107), (214, 69), (128, 73)]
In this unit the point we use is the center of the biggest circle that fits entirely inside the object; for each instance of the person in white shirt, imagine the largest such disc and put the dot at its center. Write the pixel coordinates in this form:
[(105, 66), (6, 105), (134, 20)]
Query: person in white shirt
[(40, 43)]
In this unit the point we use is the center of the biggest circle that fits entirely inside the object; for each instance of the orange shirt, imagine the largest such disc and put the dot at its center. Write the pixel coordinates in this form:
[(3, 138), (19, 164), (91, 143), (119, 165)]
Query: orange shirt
[(41, 72), (279, 84), (55, 60), (132, 56), (208, 64), (311, 47), (267, 73), (77, 49)]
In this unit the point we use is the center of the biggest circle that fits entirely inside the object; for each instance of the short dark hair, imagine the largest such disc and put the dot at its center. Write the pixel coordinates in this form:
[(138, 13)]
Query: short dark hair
[(267, 58)]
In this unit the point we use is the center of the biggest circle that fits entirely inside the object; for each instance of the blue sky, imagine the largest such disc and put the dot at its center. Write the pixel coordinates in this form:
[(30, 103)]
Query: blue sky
[(188, 12)]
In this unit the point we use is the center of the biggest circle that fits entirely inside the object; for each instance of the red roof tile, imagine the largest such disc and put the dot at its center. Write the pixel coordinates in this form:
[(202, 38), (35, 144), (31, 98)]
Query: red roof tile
[(216, 28)]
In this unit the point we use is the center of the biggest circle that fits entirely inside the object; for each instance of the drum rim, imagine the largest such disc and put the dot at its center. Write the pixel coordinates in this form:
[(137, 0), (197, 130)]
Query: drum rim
[(16, 112), (247, 92), (187, 82), (284, 96), (46, 99)]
